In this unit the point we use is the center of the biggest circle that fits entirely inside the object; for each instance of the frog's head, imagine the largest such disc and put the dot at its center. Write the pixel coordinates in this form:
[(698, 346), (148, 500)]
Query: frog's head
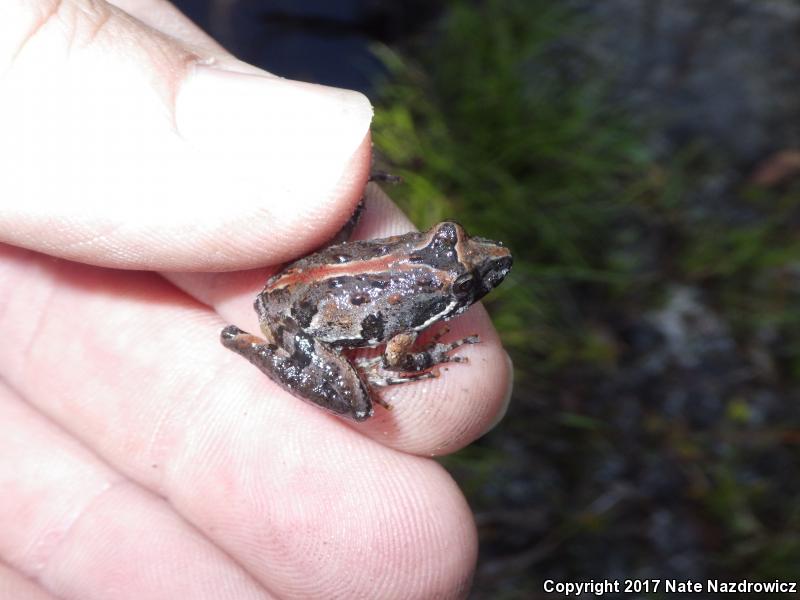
[(474, 265)]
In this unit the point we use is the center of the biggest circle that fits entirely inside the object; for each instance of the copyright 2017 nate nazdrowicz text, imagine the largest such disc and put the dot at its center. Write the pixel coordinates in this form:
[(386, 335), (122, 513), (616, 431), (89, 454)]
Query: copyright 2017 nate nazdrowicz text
[(668, 586)]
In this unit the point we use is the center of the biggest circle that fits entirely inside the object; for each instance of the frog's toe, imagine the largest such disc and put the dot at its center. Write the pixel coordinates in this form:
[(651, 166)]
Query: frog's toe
[(229, 333)]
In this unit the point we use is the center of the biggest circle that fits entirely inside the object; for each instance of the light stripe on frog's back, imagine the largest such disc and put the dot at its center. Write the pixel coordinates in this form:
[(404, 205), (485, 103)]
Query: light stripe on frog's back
[(319, 273)]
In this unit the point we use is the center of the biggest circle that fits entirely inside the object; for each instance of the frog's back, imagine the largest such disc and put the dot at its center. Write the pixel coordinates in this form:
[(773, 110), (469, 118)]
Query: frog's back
[(357, 293)]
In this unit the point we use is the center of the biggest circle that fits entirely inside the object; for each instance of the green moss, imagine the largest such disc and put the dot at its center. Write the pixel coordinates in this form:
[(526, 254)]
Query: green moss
[(488, 126), (495, 119)]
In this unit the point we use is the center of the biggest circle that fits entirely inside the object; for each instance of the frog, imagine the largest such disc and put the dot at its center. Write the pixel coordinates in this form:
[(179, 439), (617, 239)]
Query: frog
[(366, 294)]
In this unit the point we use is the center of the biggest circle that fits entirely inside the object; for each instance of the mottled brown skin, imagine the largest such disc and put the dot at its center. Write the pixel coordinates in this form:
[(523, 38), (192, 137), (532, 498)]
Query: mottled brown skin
[(365, 294)]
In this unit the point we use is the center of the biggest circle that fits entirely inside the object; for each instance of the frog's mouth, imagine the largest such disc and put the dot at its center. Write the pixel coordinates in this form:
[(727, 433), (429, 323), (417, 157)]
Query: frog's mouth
[(492, 275), (474, 285)]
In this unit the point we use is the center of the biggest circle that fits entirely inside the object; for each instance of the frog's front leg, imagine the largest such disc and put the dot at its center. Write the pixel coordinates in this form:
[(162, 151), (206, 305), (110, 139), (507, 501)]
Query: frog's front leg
[(398, 357), (304, 366)]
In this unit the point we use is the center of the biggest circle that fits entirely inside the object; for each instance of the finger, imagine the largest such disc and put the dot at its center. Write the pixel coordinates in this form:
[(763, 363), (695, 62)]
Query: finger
[(132, 367), (430, 417), (163, 16), (79, 529), (16, 586), (132, 149)]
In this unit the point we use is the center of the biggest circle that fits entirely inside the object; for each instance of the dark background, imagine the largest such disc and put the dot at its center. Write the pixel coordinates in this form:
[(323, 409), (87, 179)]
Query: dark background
[(642, 160)]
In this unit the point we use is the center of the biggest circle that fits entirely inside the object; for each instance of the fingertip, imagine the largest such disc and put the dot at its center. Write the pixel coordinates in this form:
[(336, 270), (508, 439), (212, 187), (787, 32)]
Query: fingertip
[(505, 401), (443, 414), (181, 164), (15, 585), (286, 127)]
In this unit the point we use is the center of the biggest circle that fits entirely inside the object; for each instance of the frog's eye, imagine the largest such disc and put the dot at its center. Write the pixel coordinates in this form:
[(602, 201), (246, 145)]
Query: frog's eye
[(463, 285)]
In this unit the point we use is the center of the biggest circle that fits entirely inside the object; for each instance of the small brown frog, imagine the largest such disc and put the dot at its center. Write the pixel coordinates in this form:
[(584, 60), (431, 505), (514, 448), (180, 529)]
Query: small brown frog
[(365, 294)]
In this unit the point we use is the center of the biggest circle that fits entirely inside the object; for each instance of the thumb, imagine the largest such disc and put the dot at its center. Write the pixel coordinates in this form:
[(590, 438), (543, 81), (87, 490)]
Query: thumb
[(129, 148)]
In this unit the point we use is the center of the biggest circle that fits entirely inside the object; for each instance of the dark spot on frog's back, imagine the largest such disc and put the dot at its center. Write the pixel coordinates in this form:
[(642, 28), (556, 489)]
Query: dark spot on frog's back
[(359, 299), (373, 326), (379, 283), (303, 312), (447, 233), (441, 251)]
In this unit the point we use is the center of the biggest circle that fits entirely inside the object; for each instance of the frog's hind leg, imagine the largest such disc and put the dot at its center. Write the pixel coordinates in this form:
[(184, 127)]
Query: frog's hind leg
[(384, 177), (349, 227), (305, 367)]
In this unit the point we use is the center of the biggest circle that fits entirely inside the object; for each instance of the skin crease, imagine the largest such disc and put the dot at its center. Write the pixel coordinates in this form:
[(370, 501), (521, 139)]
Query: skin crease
[(139, 458)]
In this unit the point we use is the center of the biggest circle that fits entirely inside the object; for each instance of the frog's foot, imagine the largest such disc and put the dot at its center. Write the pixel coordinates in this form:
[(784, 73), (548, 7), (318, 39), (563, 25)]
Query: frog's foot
[(440, 351), (433, 354), (378, 377), (384, 177), (346, 232), (237, 340), (348, 228)]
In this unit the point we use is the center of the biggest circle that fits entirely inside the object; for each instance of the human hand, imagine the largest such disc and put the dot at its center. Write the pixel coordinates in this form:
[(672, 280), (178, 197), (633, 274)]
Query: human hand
[(138, 457)]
